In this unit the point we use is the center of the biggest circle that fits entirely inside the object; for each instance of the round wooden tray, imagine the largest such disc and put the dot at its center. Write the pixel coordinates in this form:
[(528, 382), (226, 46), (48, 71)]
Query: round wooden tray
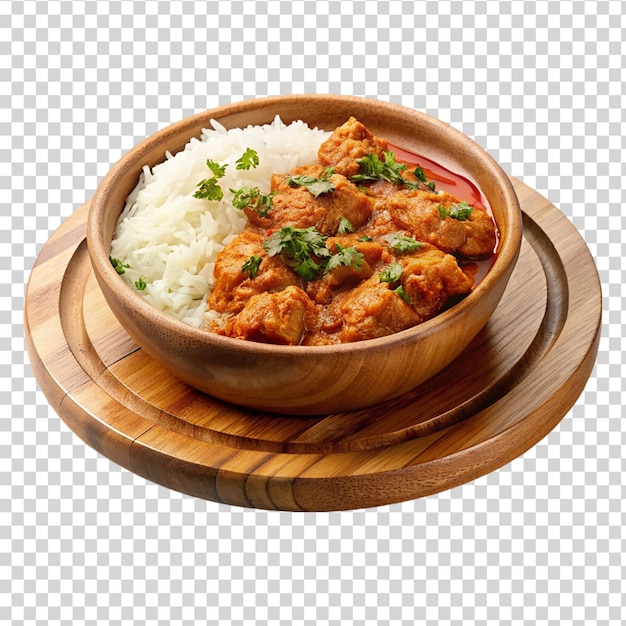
[(509, 389)]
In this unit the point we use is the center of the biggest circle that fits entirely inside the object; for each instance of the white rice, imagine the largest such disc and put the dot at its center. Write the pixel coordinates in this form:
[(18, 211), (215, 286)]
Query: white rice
[(170, 239)]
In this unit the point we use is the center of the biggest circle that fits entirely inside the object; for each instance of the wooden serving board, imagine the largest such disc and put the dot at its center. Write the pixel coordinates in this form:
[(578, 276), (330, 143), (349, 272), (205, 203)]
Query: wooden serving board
[(510, 388)]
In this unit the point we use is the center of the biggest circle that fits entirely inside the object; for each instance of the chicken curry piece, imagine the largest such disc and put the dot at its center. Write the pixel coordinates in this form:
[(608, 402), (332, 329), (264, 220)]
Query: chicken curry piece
[(351, 248)]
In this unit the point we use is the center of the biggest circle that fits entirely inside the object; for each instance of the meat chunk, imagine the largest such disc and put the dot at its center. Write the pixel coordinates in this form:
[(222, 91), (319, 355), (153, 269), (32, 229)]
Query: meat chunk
[(348, 263), (371, 250), (343, 277), (349, 142), (294, 205), (430, 278), (278, 318), (373, 309), (424, 214), (233, 287)]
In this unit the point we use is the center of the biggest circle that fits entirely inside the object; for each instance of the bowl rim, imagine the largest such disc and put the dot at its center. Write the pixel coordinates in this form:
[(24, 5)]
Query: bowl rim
[(505, 256)]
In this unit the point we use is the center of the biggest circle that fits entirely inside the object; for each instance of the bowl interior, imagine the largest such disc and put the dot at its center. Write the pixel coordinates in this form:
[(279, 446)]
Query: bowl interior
[(309, 379), (412, 130)]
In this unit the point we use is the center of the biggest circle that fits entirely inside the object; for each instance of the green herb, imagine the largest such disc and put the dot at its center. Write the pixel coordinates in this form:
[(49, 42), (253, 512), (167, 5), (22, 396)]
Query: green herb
[(304, 250), (460, 211), (301, 249), (249, 159), (372, 168), (402, 243), (317, 186), (345, 226), (251, 266), (217, 169), (120, 267), (391, 274), (365, 238), (208, 189), (349, 256), (400, 291), (421, 177), (251, 197), (140, 284)]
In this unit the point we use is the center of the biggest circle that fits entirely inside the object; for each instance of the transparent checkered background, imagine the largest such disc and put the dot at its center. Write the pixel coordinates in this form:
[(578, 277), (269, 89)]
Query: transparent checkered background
[(541, 541)]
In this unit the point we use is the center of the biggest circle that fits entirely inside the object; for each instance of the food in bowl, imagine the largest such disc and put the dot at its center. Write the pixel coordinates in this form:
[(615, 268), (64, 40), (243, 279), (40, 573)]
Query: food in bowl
[(309, 379), (169, 234), (291, 235)]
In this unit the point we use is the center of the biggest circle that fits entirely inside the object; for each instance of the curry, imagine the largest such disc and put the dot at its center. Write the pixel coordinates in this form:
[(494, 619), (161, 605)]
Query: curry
[(354, 247)]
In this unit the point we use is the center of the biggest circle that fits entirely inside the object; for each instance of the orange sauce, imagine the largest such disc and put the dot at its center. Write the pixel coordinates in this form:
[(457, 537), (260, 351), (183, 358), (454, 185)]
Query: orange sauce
[(459, 186), (444, 179)]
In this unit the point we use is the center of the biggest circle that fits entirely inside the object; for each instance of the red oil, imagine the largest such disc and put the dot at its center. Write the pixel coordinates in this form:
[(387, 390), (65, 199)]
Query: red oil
[(458, 186), (444, 179)]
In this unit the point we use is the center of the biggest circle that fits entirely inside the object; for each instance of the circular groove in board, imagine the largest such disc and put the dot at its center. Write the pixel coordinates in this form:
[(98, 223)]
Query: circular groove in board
[(511, 386)]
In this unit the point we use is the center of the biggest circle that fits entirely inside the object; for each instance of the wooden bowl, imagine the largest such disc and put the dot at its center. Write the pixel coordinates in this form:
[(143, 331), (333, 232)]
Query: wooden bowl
[(320, 379)]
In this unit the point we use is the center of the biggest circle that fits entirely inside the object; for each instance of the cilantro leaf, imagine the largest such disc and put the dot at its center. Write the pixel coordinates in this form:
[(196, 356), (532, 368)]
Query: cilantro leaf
[(251, 266), (140, 284), (308, 269), (372, 168), (208, 189), (120, 267), (249, 159), (317, 186), (345, 226), (460, 211), (253, 198), (421, 177), (391, 274), (348, 256), (402, 243), (301, 249), (400, 291), (216, 169)]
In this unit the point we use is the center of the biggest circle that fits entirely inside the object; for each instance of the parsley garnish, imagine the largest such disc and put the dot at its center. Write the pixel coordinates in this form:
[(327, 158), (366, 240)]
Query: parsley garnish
[(208, 189), (349, 256), (317, 186), (402, 243), (140, 284), (304, 250), (253, 198), (421, 177), (249, 159), (298, 248), (120, 267), (251, 266), (345, 226), (391, 274), (372, 168), (460, 211), (400, 291)]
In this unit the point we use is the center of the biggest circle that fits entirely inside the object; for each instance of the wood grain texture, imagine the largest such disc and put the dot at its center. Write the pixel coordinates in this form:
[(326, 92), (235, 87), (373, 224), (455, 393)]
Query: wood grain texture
[(510, 388)]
